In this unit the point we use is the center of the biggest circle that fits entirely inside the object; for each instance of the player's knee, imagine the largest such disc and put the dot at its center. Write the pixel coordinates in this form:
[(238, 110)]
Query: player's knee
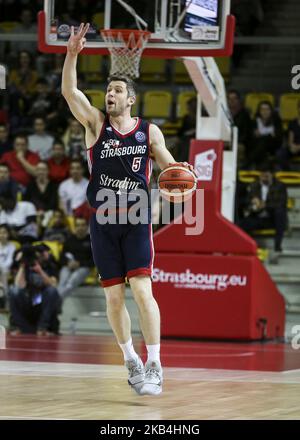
[(114, 301), (143, 297)]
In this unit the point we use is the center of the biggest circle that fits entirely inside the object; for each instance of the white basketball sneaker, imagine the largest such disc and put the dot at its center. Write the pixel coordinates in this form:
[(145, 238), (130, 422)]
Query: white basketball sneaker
[(153, 379), (136, 373)]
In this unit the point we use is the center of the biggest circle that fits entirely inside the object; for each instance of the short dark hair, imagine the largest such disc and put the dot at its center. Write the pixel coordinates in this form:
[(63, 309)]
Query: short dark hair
[(58, 141), (130, 84), (76, 161), (21, 136), (235, 92), (6, 227)]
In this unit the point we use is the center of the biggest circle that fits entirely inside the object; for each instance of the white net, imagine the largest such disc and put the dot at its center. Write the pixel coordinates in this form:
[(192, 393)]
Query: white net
[(126, 48)]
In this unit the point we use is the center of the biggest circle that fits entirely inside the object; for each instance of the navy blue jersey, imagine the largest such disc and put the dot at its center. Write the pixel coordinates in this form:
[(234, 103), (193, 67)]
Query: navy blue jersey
[(119, 163)]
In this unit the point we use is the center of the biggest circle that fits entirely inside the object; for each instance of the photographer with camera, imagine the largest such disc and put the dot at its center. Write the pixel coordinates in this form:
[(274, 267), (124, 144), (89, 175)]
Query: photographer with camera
[(34, 300)]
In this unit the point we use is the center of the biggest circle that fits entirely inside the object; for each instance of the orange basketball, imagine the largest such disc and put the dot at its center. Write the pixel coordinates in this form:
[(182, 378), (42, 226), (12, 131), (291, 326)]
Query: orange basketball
[(177, 184)]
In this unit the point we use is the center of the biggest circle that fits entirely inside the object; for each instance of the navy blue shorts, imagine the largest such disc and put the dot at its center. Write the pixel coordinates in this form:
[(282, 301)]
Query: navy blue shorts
[(121, 251)]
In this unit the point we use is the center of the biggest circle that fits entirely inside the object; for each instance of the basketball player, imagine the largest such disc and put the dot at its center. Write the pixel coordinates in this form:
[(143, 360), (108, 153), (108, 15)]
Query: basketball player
[(119, 149)]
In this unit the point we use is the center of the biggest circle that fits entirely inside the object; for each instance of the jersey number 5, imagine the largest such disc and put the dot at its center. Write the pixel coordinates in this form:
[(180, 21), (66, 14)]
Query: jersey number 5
[(136, 164)]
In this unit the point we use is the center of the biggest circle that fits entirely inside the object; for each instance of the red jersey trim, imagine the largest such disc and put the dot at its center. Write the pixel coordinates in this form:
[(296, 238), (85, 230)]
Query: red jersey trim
[(140, 271), (112, 282)]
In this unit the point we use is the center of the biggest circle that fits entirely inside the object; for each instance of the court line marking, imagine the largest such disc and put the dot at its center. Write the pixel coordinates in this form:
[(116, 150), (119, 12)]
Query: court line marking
[(103, 353), (102, 372), (188, 344), (291, 371)]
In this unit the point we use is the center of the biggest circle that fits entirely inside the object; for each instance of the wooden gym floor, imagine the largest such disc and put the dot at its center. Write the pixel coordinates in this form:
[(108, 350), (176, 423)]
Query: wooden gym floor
[(83, 377)]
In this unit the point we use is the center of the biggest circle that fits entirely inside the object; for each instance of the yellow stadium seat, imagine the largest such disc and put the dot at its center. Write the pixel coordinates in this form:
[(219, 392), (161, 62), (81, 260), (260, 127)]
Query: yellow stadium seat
[(182, 99), (264, 232), (8, 26), (288, 106), (248, 176), (288, 177), (180, 73), (92, 277), (96, 97), (153, 70), (91, 67), (98, 20), (170, 128), (291, 202), (71, 223), (135, 110), (16, 243), (262, 254), (19, 196), (253, 99), (224, 66), (157, 104)]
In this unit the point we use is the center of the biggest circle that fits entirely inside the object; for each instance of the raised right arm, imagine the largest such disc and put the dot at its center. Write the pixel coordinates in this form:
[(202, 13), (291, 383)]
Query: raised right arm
[(78, 103)]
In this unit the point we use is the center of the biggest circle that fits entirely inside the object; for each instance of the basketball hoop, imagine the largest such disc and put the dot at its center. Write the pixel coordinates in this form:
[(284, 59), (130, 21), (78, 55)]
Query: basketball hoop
[(126, 47)]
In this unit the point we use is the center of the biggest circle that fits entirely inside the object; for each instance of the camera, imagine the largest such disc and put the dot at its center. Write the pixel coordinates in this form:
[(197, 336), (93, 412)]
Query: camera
[(29, 256)]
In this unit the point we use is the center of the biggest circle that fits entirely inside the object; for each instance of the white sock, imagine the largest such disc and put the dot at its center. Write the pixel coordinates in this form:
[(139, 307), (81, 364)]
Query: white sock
[(153, 352), (128, 350)]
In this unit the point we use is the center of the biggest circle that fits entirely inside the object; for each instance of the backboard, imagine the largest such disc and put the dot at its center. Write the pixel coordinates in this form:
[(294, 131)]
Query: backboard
[(178, 27)]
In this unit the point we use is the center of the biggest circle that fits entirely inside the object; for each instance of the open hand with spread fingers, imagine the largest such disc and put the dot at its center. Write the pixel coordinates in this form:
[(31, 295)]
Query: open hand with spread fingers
[(77, 41)]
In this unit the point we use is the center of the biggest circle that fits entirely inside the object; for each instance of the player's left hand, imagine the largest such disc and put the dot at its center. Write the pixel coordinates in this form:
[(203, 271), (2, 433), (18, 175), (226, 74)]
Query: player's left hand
[(183, 164), (77, 41)]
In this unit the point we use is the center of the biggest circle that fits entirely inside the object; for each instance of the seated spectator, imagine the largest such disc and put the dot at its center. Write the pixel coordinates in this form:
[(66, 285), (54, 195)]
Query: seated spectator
[(41, 191), (21, 162), (77, 259), (54, 75), (57, 229), (5, 143), (57, 121), (24, 77), (26, 26), (74, 139), (21, 218), (34, 301), (72, 192), (266, 207), (267, 135), (40, 142), (21, 86), (8, 187), (7, 251), (242, 121), (43, 102), (292, 150), (59, 164)]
